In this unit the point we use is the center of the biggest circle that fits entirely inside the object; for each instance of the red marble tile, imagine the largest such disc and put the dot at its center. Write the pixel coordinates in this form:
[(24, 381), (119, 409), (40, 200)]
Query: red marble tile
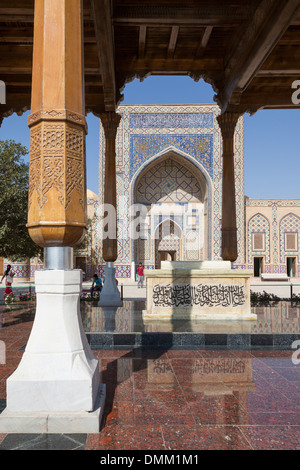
[(184, 353), (170, 419), (290, 373), (120, 437), (204, 438), (274, 418), (271, 353), (175, 409), (273, 437), (211, 353), (2, 389), (112, 354)]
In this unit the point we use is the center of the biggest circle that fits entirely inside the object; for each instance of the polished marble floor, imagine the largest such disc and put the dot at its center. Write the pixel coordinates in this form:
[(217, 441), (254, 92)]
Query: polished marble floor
[(175, 399), (283, 317)]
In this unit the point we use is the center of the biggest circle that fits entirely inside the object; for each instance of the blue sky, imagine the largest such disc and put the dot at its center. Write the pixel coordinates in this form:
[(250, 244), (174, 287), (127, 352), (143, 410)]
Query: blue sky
[(272, 150)]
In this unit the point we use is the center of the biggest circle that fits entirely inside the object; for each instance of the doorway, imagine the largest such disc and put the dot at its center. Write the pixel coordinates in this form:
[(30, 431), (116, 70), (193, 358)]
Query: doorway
[(258, 266), (291, 266), (166, 256)]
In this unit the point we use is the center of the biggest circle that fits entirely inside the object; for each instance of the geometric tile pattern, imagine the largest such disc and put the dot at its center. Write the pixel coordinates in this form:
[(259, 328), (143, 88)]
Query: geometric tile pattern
[(146, 133), (283, 216), (289, 223), (168, 182), (168, 120), (259, 224), (144, 147)]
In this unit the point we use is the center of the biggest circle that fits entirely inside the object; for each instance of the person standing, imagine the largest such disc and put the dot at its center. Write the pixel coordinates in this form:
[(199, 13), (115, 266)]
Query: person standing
[(8, 275), (140, 274)]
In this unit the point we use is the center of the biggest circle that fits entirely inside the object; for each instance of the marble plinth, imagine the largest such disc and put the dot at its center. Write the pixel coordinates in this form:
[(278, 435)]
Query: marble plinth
[(198, 290), (58, 376), (51, 422)]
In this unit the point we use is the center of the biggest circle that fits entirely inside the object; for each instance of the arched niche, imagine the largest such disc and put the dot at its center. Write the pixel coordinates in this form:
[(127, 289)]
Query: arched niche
[(174, 187)]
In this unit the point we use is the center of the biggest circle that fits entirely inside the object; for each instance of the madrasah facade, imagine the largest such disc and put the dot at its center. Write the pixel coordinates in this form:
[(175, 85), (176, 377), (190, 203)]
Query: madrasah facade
[(169, 173)]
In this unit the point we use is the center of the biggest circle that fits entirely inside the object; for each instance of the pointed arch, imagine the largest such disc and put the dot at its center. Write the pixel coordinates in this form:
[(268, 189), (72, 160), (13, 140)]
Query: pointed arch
[(259, 224), (289, 225), (202, 184)]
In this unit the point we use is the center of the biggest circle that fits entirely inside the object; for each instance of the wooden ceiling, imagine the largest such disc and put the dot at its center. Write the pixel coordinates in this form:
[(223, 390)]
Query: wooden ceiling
[(248, 50)]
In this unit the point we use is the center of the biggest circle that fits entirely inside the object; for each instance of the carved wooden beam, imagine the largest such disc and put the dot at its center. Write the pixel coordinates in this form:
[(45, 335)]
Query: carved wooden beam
[(204, 41), (269, 22), (173, 41), (101, 14), (217, 15), (142, 41)]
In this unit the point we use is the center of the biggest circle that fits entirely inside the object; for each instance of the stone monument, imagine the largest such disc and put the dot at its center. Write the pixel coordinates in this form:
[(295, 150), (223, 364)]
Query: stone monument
[(208, 290)]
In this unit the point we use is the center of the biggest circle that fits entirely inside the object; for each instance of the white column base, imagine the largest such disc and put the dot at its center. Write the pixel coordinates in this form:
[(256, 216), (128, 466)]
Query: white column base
[(38, 422), (58, 376), (110, 295)]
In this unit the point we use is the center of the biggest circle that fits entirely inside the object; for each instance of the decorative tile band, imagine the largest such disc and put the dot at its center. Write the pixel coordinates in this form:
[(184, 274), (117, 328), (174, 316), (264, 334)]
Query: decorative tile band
[(171, 120)]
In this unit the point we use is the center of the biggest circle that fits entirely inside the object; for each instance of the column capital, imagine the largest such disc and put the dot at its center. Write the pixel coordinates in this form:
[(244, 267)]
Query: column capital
[(227, 122), (110, 121)]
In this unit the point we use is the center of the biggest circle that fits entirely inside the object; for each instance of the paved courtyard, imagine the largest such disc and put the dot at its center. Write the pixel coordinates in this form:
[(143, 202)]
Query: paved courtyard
[(175, 399)]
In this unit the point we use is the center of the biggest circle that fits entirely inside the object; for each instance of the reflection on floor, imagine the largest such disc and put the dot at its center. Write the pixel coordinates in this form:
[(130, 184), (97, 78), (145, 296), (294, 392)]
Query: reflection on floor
[(187, 400), (175, 399), (282, 317)]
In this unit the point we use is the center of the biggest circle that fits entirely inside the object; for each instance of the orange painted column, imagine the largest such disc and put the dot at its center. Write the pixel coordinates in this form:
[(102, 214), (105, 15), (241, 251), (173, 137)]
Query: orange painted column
[(227, 123), (57, 176), (110, 122)]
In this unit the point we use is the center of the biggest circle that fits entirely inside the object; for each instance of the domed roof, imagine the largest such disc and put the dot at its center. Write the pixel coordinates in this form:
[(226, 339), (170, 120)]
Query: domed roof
[(91, 195)]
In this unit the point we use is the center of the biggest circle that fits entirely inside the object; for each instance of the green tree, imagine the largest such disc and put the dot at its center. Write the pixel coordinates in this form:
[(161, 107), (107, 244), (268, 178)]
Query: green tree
[(15, 242)]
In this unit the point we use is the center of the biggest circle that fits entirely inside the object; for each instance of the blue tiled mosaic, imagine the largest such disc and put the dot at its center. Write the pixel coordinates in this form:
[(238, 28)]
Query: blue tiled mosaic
[(143, 147), (171, 120)]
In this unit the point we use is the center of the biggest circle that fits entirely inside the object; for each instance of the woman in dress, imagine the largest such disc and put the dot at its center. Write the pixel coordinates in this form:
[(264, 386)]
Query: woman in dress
[(8, 275)]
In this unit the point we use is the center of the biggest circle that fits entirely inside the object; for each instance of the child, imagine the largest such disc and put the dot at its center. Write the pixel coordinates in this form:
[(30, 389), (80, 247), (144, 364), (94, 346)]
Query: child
[(8, 275), (96, 285)]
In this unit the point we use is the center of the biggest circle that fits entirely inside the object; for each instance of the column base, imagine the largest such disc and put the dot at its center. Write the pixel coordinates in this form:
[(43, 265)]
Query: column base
[(58, 377), (38, 422), (110, 295)]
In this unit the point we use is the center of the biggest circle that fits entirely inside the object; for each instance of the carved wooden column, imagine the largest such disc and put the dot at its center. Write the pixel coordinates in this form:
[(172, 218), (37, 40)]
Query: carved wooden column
[(110, 122), (110, 295), (56, 387), (57, 192), (227, 123)]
